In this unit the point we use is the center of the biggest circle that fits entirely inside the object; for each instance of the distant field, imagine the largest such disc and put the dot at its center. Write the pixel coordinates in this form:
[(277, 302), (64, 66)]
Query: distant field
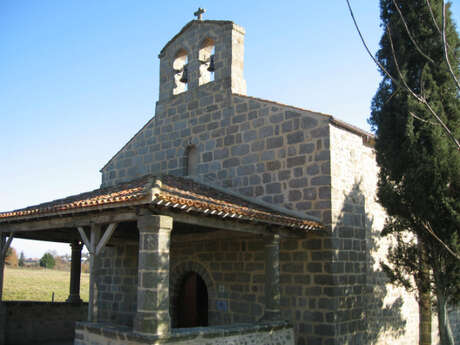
[(27, 284)]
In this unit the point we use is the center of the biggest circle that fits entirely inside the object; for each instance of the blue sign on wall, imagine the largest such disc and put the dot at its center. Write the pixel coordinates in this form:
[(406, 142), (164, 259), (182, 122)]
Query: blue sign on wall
[(221, 305)]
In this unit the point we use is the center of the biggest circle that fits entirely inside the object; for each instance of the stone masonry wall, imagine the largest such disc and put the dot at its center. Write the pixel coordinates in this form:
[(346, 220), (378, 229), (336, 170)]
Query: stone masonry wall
[(275, 333), (261, 149), (116, 272), (370, 310), (233, 270), (38, 322), (228, 40), (277, 153)]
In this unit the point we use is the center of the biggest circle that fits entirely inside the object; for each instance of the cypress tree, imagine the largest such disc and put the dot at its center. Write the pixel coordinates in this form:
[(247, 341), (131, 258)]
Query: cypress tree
[(47, 261), (419, 178)]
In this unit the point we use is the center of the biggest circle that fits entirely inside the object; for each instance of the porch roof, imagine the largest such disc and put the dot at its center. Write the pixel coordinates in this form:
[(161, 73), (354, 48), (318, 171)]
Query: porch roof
[(174, 193)]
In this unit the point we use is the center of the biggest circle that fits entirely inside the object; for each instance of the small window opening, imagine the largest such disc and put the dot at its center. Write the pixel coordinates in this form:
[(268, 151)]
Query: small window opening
[(180, 70), (207, 61), (191, 160)]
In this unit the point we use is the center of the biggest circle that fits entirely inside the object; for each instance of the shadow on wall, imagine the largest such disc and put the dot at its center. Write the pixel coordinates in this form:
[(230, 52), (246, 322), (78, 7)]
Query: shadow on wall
[(371, 310)]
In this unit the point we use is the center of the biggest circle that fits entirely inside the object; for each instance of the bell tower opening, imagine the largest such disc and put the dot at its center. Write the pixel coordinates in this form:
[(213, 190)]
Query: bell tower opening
[(207, 61), (180, 70), (192, 303), (203, 51)]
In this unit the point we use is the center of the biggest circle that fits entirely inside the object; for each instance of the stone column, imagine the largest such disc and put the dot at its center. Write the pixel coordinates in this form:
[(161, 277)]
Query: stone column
[(272, 278), (152, 315), (75, 272)]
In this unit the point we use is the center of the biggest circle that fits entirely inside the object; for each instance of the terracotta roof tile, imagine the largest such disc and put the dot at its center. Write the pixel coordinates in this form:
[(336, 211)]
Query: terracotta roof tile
[(185, 194), (123, 193), (176, 193)]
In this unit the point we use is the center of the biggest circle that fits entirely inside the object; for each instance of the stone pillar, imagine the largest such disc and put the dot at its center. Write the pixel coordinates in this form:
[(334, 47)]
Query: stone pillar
[(152, 315), (75, 271), (272, 278)]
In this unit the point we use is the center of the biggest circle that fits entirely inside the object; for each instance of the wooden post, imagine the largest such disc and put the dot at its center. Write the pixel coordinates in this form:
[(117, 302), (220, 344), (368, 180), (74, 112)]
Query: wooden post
[(4, 245), (92, 308), (95, 245)]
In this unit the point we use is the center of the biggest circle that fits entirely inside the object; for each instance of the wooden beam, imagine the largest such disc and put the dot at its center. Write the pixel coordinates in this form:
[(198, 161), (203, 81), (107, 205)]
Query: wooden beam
[(210, 236), (6, 245), (106, 237), (72, 212), (84, 238), (230, 224), (95, 235), (74, 221)]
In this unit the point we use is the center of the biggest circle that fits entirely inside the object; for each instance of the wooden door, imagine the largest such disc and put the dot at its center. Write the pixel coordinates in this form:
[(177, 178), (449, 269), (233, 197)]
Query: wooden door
[(193, 302)]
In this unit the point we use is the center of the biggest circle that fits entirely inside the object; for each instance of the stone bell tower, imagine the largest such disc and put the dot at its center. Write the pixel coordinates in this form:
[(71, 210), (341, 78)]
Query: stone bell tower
[(203, 52)]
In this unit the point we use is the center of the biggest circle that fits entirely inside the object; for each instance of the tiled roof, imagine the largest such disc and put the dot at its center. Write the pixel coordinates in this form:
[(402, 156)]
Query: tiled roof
[(172, 192), (190, 196), (122, 193)]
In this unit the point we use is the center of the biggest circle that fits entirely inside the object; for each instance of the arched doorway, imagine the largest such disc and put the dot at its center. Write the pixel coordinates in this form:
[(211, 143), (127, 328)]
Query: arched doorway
[(192, 306)]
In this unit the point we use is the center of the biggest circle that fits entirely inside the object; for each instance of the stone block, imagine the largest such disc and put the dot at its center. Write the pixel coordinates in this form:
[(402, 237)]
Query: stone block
[(266, 131), (321, 180), (241, 108), (296, 161), (240, 150), (268, 155), (272, 166), (292, 268), (231, 162), (276, 118), (245, 170), (295, 138), (221, 153), (294, 195), (249, 136), (298, 182), (276, 142), (257, 146), (272, 188)]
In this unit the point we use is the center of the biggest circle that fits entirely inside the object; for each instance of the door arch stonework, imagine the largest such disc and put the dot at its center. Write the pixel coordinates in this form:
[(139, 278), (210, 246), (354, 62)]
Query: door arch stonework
[(177, 276)]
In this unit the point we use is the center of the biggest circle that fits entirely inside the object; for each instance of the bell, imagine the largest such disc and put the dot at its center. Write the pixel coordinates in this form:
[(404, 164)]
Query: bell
[(184, 77), (211, 67)]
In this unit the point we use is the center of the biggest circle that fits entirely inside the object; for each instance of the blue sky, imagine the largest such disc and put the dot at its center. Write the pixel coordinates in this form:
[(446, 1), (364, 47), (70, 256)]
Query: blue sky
[(80, 78)]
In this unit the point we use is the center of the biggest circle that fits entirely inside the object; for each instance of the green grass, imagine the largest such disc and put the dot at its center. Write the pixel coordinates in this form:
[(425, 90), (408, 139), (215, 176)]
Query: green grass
[(38, 284)]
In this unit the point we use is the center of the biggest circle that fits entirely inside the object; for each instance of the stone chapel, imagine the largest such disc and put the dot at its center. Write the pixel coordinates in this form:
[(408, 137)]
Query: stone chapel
[(229, 219)]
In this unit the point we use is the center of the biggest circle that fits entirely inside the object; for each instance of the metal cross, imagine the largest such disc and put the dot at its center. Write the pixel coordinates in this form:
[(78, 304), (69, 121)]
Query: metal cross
[(198, 14)]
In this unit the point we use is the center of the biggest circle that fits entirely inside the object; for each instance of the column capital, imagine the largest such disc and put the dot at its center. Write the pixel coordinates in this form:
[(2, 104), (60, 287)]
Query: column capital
[(154, 223), (76, 245), (272, 239)]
